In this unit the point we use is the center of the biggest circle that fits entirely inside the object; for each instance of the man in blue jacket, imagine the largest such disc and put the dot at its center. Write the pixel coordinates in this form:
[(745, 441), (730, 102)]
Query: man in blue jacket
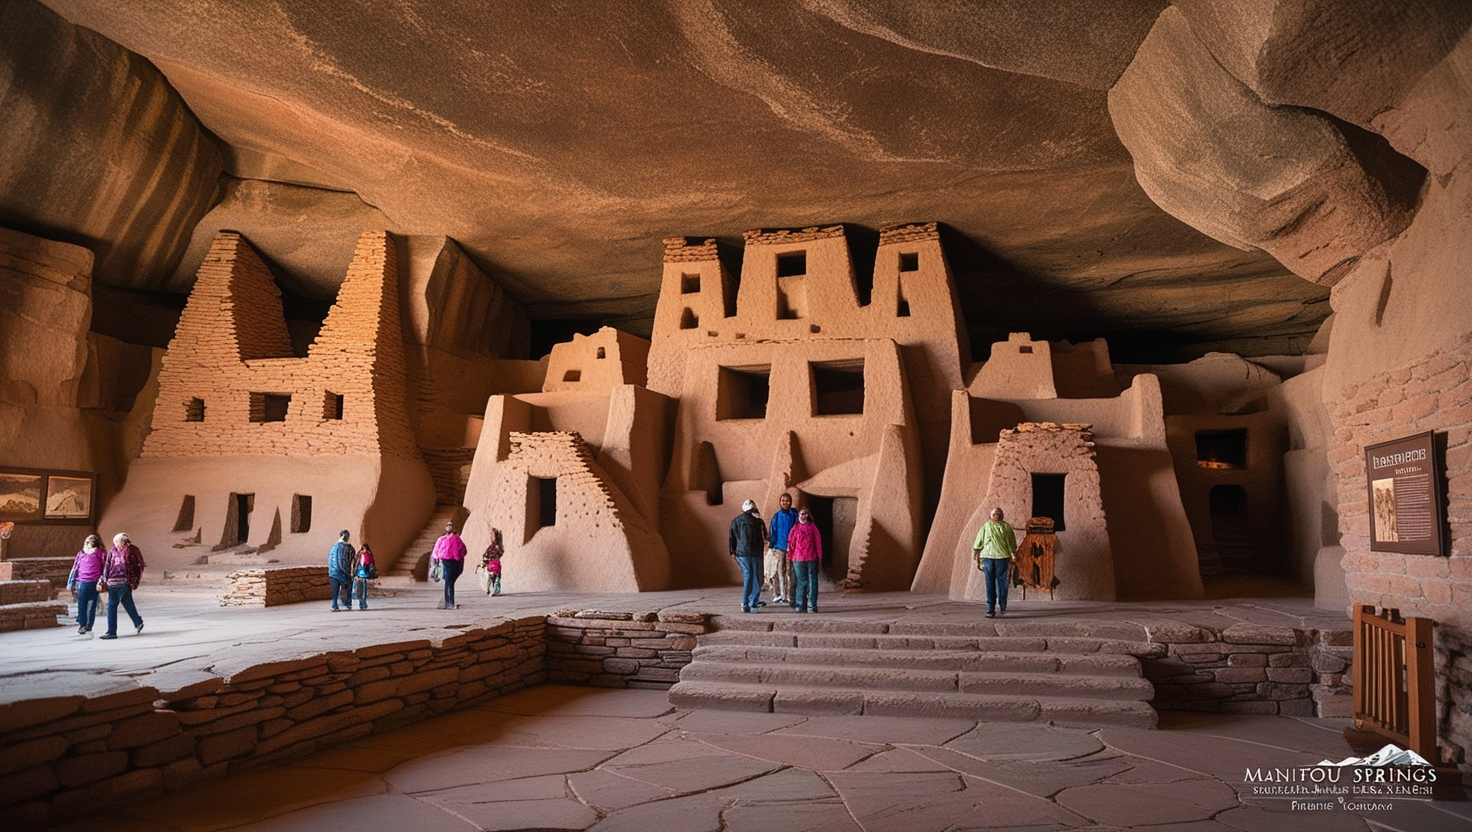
[(779, 570), (747, 540)]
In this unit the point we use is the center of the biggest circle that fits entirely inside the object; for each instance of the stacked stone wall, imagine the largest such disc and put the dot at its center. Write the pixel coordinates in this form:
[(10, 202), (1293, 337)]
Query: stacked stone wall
[(231, 345), (1431, 394), (66, 756), (1253, 669), (273, 587), (621, 649), (54, 570)]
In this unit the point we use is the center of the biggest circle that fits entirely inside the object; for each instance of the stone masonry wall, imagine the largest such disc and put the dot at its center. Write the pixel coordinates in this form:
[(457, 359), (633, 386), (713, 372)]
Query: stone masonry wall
[(621, 649), (65, 756), (1429, 394), (1254, 669), (273, 587)]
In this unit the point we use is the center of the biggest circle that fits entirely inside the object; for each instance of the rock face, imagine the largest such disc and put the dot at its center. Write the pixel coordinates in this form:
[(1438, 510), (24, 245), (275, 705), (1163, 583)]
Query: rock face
[(1314, 194), (96, 149), (557, 149)]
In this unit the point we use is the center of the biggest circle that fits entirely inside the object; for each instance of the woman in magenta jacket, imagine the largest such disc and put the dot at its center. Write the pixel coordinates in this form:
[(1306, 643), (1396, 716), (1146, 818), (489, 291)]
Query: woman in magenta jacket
[(86, 571), (805, 550)]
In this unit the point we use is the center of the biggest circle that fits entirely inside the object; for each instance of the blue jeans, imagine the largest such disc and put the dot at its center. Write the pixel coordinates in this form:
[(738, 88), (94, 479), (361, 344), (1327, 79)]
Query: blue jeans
[(121, 594), (995, 571), (751, 581), (341, 588), (806, 574), (360, 591), (87, 602), (452, 568)]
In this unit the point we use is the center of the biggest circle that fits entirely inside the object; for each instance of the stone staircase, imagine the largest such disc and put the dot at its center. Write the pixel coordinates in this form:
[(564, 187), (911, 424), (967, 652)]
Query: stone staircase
[(27, 605), (823, 665), (413, 564)]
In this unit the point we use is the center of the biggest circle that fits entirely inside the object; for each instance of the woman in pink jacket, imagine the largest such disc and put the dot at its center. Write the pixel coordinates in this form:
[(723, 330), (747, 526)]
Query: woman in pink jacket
[(83, 582), (805, 550)]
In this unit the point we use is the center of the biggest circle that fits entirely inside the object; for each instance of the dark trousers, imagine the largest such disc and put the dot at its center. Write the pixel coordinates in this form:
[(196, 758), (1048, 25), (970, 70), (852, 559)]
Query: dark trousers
[(995, 572), (806, 574), (121, 594), (452, 568), (341, 588), (87, 602)]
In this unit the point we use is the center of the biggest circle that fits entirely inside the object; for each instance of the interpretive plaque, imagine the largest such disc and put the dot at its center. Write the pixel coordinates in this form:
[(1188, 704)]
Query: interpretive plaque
[(1406, 497)]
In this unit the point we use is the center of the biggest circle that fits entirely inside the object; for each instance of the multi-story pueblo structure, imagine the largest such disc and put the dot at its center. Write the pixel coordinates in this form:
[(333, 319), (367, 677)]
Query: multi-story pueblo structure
[(1179, 286)]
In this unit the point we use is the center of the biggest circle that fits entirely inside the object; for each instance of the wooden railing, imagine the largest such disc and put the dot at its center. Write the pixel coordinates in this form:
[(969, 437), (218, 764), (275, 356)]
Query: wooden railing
[(1394, 679)]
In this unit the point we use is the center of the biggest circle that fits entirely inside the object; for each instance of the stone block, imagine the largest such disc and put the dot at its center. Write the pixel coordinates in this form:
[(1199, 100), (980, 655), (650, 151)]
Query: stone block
[(144, 729), (1291, 675), (1236, 675), (164, 751), (27, 755), (80, 770), (220, 747), (621, 666), (1259, 634)]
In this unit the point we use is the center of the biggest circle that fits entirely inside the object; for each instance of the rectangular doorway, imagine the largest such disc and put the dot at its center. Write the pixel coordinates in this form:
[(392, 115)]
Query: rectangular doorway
[(835, 518)]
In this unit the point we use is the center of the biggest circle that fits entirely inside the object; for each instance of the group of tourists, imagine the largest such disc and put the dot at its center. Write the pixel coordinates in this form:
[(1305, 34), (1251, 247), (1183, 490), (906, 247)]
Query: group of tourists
[(349, 571), (116, 571), (792, 548), (785, 555)]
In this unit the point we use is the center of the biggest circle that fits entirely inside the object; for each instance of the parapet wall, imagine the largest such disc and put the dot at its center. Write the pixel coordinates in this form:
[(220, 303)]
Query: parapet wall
[(66, 756)]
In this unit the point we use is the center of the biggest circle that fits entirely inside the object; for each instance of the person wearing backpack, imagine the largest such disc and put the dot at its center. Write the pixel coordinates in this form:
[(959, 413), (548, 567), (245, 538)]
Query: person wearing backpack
[(122, 571), (367, 571)]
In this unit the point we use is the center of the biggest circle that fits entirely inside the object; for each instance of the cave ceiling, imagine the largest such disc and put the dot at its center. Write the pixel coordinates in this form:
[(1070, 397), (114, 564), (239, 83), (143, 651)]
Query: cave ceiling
[(558, 143)]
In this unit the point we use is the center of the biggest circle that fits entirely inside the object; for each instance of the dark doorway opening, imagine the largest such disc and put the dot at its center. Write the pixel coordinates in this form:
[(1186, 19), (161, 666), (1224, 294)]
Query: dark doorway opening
[(1231, 531), (546, 501), (237, 520), (835, 518), (1047, 498)]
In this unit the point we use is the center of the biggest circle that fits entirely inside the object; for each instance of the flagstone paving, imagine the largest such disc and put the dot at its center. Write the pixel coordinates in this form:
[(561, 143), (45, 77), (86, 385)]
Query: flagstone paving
[(563, 758)]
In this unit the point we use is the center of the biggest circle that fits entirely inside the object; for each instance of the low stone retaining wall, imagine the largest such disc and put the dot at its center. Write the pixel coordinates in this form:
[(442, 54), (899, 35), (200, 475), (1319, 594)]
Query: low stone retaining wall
[(62, 757), (54, 570), (31, 616), (621, 649), (25, 592), (1254, 669), (272, 587)]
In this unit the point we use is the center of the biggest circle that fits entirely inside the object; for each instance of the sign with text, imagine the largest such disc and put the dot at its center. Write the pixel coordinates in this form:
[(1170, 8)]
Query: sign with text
[(1406, 497)]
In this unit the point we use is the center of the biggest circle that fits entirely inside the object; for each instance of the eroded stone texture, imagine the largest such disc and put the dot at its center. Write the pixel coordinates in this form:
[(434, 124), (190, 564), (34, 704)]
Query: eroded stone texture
[(97, 149), (1283, 179)]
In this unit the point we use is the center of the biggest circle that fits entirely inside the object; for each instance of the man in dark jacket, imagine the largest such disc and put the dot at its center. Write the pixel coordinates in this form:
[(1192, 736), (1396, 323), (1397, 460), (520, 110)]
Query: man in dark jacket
[(748, 541)]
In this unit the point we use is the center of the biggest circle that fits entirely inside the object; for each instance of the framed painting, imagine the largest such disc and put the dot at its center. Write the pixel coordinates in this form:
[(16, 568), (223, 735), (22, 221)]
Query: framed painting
[(20, 495), (69, 497)]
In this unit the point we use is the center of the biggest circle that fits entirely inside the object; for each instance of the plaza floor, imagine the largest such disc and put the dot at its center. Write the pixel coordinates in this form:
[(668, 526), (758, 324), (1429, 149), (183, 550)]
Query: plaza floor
[(574, 758)]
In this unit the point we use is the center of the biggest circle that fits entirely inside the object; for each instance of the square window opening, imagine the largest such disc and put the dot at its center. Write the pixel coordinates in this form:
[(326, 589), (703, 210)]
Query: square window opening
[(1025, 350), (1047, 498), (602, 353), (301, 513), (332, 406), (1223, 449), (573, 375), (792, 264), (838, 388), (269, 407), (689, 284), (909, 261), (742, 393), (194, 410)]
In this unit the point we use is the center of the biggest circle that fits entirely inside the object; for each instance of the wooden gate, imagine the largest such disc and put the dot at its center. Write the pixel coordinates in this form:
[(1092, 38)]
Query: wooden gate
[(1394, 679)]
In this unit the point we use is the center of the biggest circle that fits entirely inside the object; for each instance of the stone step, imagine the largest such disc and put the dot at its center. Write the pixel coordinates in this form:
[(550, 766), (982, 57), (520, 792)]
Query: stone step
[(764, 698), (885, 641), (31, 616), (972, 661), (414, 562), (788, 674), (25, 592)]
